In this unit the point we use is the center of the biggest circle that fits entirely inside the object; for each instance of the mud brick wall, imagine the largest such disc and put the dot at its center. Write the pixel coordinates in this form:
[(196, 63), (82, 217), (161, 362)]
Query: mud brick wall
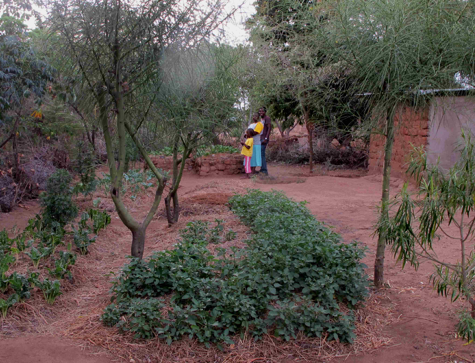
[(219, 164), (411, 127), (166, 162)]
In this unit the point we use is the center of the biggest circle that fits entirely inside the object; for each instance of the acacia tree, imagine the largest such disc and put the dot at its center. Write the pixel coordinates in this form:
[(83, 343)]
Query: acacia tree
[(116, 47), (395, 49), (280, 32), (287, 37), (196, 98)]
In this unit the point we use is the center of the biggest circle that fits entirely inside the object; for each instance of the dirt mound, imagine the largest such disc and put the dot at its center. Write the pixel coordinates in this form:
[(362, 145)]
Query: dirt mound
[(210, 198)]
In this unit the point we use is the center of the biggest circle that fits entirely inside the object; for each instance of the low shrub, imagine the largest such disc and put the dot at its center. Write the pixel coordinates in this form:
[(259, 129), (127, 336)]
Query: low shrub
[(204, 150), (51, 289), (294, 276), (84, 166), (57, 202), (293, 153)]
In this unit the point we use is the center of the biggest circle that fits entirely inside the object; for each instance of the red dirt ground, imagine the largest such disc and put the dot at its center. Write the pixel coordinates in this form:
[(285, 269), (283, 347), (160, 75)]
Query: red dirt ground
[(423, 329)]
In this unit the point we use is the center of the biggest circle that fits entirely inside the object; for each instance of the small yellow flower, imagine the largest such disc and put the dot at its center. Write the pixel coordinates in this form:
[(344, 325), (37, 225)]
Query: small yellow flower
[(48, 138)]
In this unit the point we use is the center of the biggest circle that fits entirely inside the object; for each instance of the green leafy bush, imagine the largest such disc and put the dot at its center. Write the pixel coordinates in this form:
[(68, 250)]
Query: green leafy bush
[(166, 151), (35, 256), (100, 220), (292, 277), (81, 234), (57, 200), (291, 316), (22, 244), (144, 316), (204, 150), (51, 289), (62, 265), (6, 260), (7, 304), (5, 242), (82, 240), (21, 285), (84, 166)]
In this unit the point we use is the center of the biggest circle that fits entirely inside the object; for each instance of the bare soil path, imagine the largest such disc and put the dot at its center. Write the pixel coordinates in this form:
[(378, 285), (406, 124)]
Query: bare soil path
[(423, 328)]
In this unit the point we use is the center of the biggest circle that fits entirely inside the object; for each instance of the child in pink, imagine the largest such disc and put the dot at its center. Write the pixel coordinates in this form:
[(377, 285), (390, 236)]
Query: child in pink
[(247, 151)]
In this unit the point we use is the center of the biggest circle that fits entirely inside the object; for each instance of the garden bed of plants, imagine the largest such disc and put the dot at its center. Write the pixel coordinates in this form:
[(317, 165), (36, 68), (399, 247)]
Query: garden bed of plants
[(41, 256), (295, 276)]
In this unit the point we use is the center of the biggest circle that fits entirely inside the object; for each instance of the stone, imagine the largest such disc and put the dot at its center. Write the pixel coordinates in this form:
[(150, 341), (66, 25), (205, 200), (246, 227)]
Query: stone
[(335, 144)]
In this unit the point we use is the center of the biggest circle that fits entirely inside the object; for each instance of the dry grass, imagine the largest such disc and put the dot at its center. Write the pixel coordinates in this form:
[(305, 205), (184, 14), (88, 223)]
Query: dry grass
[(76, 314), (87, 329)]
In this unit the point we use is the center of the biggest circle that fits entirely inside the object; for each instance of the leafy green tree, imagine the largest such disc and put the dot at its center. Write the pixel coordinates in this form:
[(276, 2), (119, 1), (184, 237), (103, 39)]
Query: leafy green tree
[(443, 207), (20, 9), (23, 74), (56, 202), (298, 79), (197, 96), (396, 49), (116, 46)]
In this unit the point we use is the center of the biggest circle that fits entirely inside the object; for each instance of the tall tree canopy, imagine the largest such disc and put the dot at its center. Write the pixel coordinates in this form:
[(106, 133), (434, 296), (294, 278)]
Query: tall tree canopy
[(397, 49), (116, 48), (294, 75)]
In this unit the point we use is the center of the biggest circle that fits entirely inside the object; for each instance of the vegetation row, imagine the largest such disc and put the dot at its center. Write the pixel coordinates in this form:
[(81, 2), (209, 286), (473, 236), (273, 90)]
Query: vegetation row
[(291, 278), (41, 241)]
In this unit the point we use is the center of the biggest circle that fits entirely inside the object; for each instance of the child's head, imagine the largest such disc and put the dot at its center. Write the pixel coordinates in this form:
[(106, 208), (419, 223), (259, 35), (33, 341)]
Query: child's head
[(249, 133)]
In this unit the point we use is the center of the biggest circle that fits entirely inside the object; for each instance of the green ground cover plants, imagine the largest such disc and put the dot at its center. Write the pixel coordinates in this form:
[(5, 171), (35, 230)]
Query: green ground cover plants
[(295, 275), (203, 150), (37, 245)]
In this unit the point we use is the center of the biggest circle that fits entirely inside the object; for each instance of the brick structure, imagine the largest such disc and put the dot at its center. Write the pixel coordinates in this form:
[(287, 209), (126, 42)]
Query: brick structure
[(219, 164), (411, 129)]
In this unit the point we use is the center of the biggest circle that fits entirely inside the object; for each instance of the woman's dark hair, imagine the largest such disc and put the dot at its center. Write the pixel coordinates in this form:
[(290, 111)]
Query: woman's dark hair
[(263, 108)]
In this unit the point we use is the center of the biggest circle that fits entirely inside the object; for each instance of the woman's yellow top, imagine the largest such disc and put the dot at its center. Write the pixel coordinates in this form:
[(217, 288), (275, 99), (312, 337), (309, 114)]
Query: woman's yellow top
[(245, 151)]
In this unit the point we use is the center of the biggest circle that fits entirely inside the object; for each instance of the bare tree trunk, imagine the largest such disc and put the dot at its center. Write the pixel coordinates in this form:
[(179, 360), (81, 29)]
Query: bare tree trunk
[(310, 128), (172, 208), (280, 127), (178, 168), (379, 261), (16, 160), (12, 133), (176, 207), (117, 172), (138, 242)]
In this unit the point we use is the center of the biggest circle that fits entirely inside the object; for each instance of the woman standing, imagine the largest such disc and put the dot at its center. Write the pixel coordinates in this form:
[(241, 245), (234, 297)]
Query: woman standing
[(256, 159)]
